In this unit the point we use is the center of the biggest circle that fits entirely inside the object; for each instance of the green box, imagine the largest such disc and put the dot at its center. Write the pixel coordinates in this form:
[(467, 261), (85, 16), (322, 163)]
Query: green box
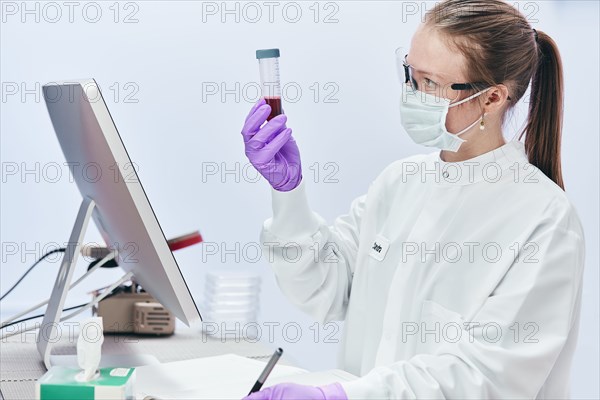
[(60, 383)]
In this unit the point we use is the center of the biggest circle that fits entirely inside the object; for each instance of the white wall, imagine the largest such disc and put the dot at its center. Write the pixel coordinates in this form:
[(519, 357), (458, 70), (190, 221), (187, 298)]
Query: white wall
[(175, 130)]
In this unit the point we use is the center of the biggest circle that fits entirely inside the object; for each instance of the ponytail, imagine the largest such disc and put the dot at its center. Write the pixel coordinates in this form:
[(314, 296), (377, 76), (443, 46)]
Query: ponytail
[(544, 121)]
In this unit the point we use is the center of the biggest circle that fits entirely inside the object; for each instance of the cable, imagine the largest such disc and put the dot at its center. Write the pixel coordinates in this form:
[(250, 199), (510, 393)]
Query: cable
[(87, 306), (99, 298), (59, 250), (110, 264), (117, 290), (107, 258), (39, 316)]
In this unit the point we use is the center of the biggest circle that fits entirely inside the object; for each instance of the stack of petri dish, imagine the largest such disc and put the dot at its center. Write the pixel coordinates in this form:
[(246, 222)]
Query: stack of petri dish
[(231, 304)]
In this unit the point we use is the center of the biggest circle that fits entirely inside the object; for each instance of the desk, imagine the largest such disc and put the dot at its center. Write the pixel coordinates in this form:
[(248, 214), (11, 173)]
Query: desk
[(21, 365)]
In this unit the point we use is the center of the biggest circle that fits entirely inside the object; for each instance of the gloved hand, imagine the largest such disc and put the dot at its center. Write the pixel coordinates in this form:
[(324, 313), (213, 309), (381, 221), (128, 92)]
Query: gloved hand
[(271, 149), (293, 391)]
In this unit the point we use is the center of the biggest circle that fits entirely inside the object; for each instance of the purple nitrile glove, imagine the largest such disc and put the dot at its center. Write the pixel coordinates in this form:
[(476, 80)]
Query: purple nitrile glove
[(271, 148), (293, 391)]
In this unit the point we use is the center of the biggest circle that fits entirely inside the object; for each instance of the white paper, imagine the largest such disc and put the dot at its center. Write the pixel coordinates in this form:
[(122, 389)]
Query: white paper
[(221, 377)]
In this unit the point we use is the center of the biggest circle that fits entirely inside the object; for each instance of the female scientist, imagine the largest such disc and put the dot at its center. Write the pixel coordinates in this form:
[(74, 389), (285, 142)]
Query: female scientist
[(459, 273)]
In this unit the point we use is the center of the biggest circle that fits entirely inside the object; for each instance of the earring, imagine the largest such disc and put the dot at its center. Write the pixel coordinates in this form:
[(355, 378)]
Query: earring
[(482, 124)]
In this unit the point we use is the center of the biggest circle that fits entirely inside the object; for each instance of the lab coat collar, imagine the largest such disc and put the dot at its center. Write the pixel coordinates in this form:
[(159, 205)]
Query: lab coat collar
[(489, 167)]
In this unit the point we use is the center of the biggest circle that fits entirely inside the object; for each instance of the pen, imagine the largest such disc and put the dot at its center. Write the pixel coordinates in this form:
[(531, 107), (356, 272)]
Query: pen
[(268, 368)]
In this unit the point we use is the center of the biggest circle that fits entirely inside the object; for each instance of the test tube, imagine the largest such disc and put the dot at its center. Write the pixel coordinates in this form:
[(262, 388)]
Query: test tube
[(268, 65)]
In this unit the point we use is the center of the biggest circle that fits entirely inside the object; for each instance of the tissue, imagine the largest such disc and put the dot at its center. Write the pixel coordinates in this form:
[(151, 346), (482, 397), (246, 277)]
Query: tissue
[(89, 348), (87, 382)]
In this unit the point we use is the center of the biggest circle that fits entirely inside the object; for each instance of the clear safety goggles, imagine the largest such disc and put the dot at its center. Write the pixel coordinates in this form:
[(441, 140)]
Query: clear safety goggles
[(424, 82)]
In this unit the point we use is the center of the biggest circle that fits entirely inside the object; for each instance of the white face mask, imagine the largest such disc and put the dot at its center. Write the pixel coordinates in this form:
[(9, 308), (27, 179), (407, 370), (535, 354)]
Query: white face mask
[(424, 119)]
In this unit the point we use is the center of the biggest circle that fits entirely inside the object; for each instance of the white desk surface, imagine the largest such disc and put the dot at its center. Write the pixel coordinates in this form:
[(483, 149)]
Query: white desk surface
[(21, 365)]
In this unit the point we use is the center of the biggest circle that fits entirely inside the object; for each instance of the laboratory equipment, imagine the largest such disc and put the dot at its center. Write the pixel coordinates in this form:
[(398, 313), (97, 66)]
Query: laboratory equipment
[(231, 302), (268, 64)]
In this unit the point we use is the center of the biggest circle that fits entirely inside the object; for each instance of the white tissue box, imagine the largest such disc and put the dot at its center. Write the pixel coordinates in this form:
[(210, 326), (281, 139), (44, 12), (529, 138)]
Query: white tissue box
[(62, 383)]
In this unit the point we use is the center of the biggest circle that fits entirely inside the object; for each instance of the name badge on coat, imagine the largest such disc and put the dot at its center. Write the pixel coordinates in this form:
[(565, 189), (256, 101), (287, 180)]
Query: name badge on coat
[(379, 248)]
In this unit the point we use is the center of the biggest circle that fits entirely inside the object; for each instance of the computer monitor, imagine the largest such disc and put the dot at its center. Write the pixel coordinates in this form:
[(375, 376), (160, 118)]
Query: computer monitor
[(115, 199)]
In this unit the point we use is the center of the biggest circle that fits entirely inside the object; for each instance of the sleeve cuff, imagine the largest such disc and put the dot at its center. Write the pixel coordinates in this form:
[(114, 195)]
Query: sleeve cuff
[(292, 217), (333, 391), (367, 387)]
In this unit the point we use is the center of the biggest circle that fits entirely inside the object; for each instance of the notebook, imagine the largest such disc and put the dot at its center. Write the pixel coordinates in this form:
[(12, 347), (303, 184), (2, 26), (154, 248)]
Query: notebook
[(221, 377)]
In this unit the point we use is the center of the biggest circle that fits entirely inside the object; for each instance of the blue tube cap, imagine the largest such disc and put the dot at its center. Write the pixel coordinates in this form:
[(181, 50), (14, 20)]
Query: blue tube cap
[(267, 53)]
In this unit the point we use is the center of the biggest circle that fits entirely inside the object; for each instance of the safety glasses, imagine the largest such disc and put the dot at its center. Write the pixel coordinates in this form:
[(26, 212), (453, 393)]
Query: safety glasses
[(417, 81)]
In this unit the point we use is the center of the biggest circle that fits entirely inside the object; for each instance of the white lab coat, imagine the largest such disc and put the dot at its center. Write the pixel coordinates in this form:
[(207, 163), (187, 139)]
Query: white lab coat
[(455, 280)]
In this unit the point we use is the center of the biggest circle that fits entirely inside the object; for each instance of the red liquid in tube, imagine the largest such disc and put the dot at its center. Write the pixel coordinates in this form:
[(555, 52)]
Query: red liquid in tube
[(275, 103)]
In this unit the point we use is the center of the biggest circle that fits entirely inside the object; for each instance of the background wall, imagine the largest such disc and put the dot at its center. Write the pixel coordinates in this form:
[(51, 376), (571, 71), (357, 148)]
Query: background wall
[(179, 78)]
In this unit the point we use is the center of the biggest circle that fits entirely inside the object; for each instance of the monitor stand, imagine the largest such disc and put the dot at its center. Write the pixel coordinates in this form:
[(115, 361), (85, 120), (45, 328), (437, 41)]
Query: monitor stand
[(48, 333)]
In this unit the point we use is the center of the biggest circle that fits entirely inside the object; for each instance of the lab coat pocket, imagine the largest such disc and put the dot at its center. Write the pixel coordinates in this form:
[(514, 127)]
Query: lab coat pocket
[(439, 327)]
